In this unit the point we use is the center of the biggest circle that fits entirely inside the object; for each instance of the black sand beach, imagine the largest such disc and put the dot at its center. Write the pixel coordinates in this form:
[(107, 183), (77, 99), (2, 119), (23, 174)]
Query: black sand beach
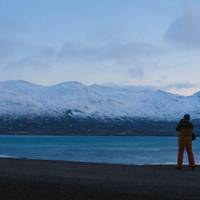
[(36, 179)]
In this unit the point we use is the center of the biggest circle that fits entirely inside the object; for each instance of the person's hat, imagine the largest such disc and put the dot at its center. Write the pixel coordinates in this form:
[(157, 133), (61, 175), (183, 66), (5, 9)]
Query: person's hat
[(187, 116)]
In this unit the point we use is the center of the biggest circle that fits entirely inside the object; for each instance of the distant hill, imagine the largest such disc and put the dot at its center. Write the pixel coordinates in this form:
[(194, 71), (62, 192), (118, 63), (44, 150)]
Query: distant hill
[(73, 108)]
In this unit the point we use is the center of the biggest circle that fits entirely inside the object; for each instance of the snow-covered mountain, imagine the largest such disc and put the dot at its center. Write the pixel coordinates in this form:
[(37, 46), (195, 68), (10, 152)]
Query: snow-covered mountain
[(19, 98)]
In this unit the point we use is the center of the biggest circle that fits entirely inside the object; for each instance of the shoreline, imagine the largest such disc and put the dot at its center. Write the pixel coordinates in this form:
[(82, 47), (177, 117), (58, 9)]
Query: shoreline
[(89, 162), (86, 135), (43, 179)]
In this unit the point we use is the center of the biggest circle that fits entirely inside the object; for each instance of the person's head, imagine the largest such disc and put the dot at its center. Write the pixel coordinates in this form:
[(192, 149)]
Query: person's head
[(187, 117)]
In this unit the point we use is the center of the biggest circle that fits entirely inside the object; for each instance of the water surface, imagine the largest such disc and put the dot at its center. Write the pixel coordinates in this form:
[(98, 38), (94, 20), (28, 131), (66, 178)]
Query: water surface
[(102, 149)]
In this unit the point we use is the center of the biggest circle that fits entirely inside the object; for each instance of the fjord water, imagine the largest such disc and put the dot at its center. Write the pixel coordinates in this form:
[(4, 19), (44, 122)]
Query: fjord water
[(101, 149)]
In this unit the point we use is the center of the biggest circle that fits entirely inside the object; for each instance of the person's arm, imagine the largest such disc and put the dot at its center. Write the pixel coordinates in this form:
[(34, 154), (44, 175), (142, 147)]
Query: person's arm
[(178, 127), (192, 126)]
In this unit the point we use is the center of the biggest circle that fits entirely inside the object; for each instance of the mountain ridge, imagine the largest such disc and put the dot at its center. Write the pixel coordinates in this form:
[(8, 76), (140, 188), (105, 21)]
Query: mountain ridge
[(24, 98)]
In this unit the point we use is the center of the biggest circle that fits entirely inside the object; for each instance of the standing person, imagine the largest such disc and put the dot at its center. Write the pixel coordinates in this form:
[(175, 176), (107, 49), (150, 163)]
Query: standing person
[(185, 129)]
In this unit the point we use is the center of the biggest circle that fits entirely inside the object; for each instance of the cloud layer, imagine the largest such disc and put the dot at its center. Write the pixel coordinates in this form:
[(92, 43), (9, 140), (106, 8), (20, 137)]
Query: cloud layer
[(185, 30), (118, 57)]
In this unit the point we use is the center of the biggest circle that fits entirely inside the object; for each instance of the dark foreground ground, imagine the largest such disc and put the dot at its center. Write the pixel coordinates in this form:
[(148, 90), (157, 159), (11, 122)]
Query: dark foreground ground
[(22, 179)]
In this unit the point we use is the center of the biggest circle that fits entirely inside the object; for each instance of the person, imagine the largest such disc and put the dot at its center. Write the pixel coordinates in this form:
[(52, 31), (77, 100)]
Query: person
[(185, 129)]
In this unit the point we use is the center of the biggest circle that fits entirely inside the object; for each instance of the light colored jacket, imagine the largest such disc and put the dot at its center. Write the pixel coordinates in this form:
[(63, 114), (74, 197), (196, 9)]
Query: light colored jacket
[(185, 136), (185, 129)]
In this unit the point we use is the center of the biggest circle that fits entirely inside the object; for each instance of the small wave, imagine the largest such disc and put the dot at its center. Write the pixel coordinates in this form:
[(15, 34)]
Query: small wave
[(6, 156)]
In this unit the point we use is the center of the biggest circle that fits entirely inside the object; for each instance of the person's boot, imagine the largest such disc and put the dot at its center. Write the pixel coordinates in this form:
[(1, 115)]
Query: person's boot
[(178, 168), (192, 168)]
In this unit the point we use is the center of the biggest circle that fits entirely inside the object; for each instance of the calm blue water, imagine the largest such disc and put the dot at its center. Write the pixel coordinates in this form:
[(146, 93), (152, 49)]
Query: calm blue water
[(103, 149)]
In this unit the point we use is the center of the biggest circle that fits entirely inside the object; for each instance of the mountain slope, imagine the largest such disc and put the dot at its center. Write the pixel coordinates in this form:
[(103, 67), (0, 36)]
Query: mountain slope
[(20, 98)]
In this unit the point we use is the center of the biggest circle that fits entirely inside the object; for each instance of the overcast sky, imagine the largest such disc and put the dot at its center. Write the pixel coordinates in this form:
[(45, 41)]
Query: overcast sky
[(125, 42)]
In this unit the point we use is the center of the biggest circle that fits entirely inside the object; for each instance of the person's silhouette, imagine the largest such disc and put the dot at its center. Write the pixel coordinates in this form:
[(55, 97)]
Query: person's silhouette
[(185, 129)]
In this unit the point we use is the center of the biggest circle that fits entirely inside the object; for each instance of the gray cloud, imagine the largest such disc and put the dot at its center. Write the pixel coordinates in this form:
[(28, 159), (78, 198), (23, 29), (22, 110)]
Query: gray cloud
[(185, 30), (118, 53), (28, 62), (18, 55)]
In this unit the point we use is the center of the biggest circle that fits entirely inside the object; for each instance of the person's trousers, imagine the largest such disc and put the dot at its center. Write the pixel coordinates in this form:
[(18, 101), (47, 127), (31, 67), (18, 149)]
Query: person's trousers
[(189, 153)]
